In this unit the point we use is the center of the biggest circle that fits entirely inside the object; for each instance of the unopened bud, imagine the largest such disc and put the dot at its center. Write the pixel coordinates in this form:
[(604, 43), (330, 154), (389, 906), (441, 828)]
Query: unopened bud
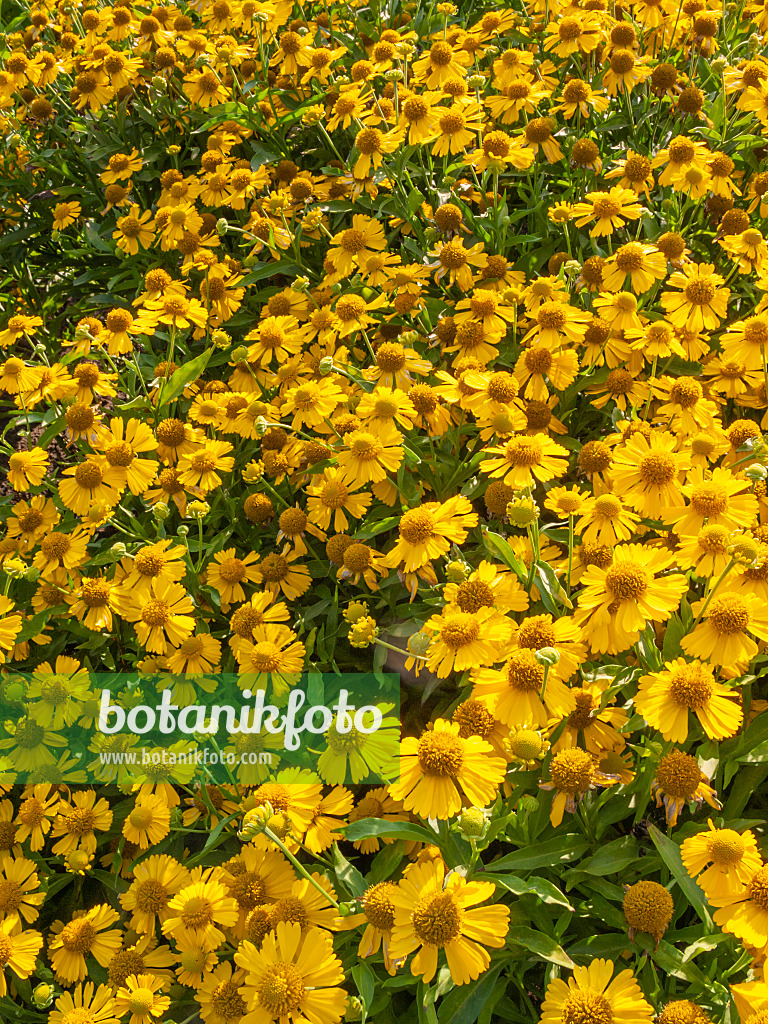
[(456, 572), (261, 426), (221, 226), (547, 656), (476, 81), (198, 509), (325, 366), (32, 574), (418, 643), (756, 472), (522, 512), (183, 531), (221, 339), (42, 996), (161, 511), (744, 550), (119, 550), (300, 284), (472, 823), (393, 75)]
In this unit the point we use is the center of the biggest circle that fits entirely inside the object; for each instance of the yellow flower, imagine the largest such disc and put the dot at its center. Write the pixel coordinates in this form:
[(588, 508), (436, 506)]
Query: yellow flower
[(609, 209), (432, 913), (27, 469), (441, 766), (590, 992), (293, 976), (83, 936), (139, 997)]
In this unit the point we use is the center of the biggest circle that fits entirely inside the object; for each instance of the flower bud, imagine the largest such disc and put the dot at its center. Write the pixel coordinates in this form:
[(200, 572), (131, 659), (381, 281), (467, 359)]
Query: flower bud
[(355, 611), (253, 472), (456, 572), (363, 632), (42, 996), (183, 531), (161, 511), (418, 643), (240, 354), (347, 909), (174, 150), (325, 366), (32, 574), (522, 512), (221, 339), (718, 65), (300, 284), (354, 1008), (472, 823), (756, 472), (744, 550), (15, 568), (255, 821), (221, 226), (476, 81), (198, 509), (119, 550), (393, 75), (547, 656)]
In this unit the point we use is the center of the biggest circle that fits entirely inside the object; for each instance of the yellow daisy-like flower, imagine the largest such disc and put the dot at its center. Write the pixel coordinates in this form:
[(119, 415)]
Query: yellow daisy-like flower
[(722, 638), (18, 951), (293, 977), (86, 1004), (432, 913), (524, 459), (227, 572), (616, 603), (609, 209), (428, 531), (702, 302), (745, 913), (438, 768), (648, 472), (665, 698), (85, 935), (148, 822), (592, 993), (722, 861), (140, 998), (156, 880), (199, 911), (679, 781), (465, 640)]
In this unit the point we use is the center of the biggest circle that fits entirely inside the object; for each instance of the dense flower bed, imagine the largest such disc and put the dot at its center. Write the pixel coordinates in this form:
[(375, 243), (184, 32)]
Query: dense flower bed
[(417, 339)]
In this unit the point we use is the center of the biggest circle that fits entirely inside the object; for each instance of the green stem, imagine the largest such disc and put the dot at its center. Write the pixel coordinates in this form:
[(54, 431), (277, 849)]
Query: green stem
[(300, 867)]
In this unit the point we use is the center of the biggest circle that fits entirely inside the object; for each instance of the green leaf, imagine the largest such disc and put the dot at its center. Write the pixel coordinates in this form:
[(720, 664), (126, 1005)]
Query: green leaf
[(616, 856), (365, 980), (31, 627), (367, 827), (549, 584), (185, 374), (670, 854), (347, 874), (497, 544), (464, 1004), (543, 945), (546, 891), (543, 855)]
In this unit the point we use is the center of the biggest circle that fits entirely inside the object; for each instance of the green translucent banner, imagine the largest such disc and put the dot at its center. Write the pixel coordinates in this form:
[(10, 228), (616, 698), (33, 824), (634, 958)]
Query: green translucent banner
[(129, 729)]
